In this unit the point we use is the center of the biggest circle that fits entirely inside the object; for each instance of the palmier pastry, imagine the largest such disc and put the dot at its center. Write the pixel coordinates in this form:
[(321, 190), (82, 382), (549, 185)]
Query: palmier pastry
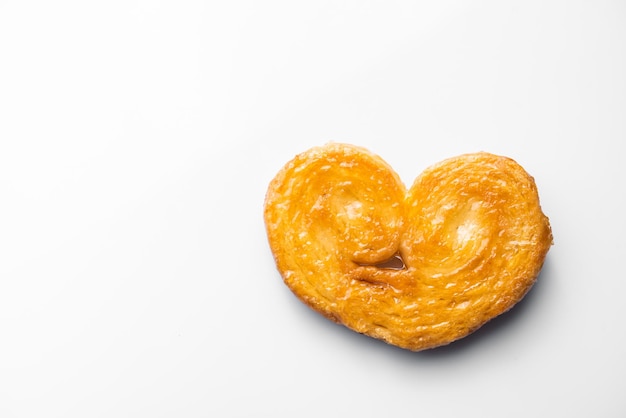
[(417, 268)]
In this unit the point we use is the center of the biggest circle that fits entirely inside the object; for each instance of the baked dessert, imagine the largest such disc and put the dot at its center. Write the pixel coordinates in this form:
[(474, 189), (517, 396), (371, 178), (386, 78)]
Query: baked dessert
[(417, 268)]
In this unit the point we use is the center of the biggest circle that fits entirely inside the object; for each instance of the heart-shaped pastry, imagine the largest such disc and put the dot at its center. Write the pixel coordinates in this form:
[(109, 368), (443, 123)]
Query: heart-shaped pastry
[(418, 268)]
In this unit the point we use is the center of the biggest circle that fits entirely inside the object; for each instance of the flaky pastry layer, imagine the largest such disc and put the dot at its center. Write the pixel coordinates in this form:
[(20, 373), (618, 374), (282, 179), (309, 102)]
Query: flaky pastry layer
[(417, 268)]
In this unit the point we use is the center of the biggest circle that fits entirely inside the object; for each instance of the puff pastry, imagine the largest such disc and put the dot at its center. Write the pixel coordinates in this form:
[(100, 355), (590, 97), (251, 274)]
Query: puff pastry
[(416, 268)]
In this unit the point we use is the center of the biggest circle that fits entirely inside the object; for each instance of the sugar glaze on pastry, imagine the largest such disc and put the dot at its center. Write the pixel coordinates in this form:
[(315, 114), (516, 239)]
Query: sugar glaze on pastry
[(416, 268)]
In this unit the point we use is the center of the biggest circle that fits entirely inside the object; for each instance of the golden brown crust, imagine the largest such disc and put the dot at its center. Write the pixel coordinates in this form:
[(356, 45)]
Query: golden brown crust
[(470, 233)]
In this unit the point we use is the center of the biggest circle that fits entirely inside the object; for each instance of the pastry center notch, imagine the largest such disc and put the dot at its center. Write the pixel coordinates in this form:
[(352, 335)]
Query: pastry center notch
[(395, 262)]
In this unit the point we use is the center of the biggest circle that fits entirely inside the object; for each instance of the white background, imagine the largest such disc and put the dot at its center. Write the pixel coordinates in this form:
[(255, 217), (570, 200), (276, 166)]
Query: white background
[(137, 139)]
